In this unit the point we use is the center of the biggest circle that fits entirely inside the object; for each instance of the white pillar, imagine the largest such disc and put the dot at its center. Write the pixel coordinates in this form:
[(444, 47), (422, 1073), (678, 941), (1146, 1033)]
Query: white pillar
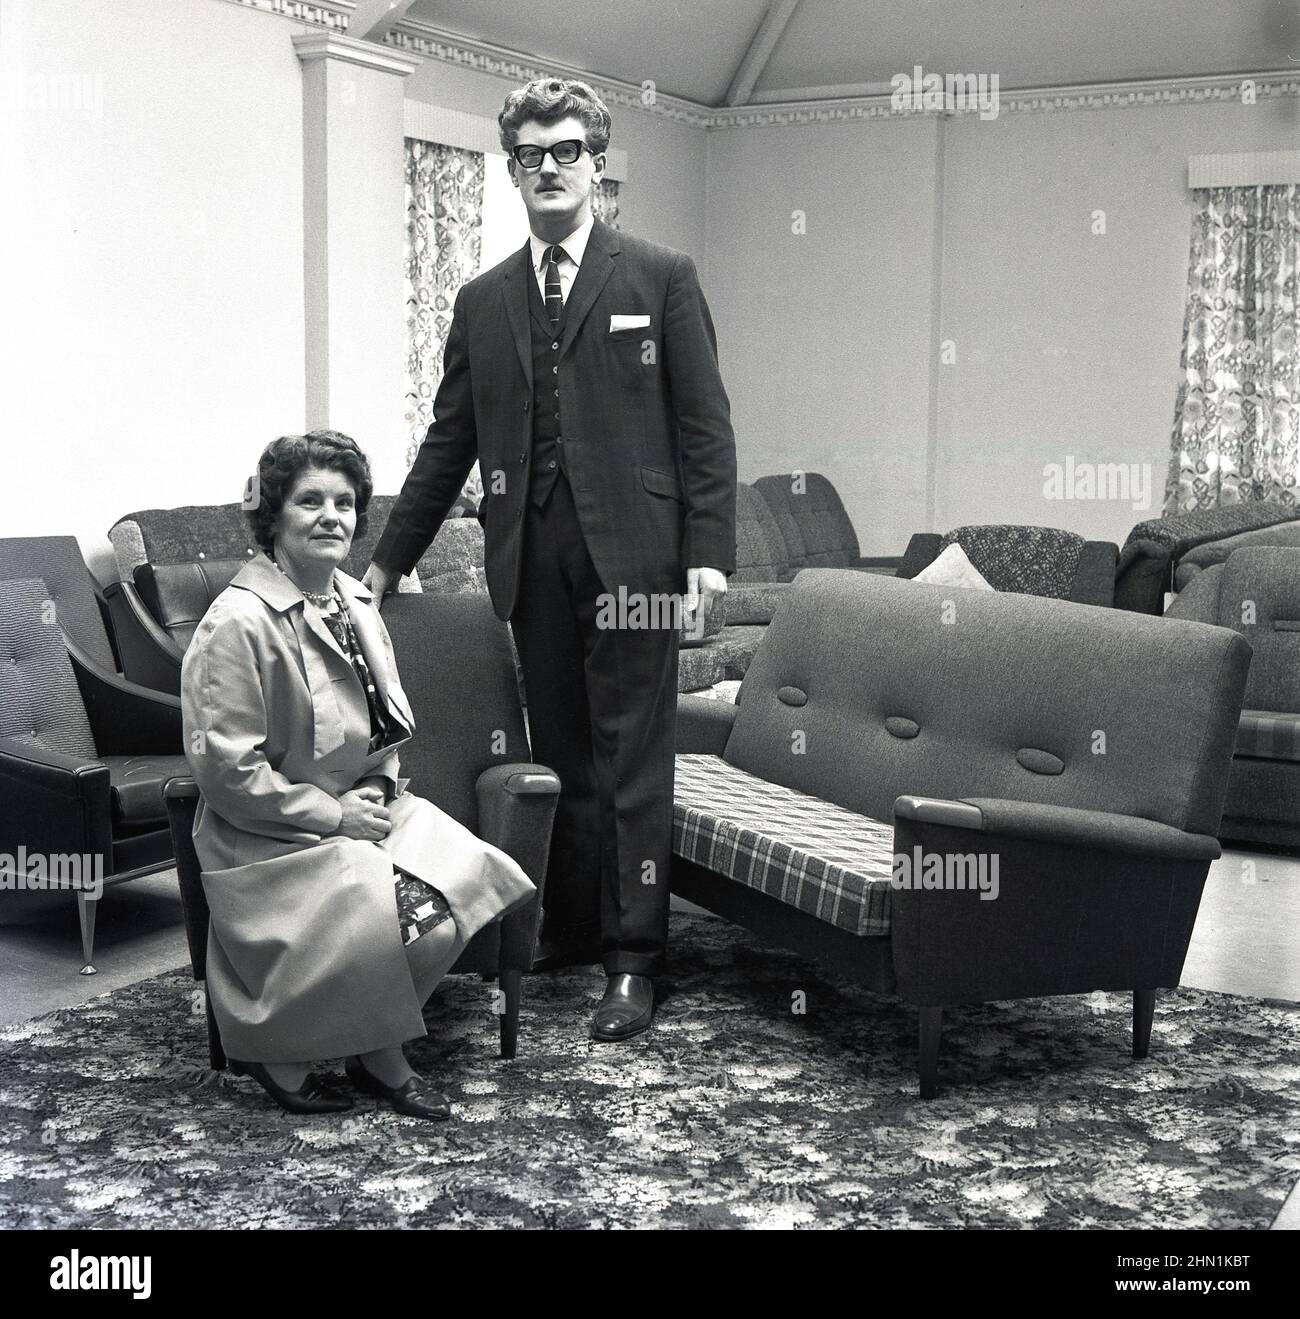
[(353, 232)]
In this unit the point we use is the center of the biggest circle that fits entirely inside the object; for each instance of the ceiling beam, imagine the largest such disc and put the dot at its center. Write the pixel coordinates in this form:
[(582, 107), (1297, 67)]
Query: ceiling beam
[(760, 51), (372, 19)]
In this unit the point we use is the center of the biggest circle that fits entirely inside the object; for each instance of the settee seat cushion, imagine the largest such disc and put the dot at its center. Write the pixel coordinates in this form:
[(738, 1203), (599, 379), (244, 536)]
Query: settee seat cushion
[(817, 857), (1268, 736)]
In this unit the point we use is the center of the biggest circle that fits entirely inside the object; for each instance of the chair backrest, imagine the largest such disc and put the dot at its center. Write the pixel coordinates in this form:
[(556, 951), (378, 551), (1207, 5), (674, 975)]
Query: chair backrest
[(40, 702), (1032, 560), (1259, 596), (203, 533), (453, 564), (761, 555), (179, 594), (1180, 532), (57, 561), (457, 669), (867, 688), (811, 518)]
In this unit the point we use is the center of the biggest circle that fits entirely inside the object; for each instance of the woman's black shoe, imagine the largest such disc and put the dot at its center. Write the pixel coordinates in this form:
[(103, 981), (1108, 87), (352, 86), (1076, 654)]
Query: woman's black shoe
[(315, 1095), (412, 1097)]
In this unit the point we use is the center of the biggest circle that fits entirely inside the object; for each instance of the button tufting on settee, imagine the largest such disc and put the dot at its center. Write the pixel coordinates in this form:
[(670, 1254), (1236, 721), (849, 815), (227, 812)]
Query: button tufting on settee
[(901, 727), (1039, 762), (792, 696)]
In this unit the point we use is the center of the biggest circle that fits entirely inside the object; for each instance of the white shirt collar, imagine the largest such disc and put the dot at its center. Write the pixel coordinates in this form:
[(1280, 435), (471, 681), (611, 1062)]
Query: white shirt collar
[(575, 245)]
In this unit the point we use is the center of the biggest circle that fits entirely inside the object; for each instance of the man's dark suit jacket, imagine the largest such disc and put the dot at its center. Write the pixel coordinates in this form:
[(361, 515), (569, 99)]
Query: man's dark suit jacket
[(648, 445)]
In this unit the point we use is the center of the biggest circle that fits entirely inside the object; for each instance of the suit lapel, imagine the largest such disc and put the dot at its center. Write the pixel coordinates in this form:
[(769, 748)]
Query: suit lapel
[(515, 291), (593, 274)]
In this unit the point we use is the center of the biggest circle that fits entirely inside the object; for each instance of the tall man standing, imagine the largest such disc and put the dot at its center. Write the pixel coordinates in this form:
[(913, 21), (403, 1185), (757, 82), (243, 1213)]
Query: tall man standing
[(582, 373)]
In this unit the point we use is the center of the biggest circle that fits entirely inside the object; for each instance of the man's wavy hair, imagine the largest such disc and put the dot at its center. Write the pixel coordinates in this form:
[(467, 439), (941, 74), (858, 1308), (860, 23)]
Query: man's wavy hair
[(284, 460), (548, 100)]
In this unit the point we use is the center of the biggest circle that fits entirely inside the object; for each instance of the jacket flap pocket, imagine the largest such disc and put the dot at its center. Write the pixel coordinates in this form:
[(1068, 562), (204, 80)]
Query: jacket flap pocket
[(661, 483)]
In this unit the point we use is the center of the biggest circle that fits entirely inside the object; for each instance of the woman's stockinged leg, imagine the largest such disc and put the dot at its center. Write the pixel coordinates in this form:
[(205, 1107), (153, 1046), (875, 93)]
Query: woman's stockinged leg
[(429, 958)]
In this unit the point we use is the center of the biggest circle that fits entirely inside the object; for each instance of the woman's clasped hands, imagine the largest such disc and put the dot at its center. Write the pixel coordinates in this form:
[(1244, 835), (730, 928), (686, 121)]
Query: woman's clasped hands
[(365, 817)]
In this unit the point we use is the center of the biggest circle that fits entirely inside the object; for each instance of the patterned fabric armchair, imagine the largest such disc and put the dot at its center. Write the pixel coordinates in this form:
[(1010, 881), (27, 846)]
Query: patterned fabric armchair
[(1059, 565)]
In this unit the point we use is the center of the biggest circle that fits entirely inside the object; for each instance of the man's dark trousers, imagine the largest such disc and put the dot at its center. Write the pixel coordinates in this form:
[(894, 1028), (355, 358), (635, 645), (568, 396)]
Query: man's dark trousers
[(602, 704)]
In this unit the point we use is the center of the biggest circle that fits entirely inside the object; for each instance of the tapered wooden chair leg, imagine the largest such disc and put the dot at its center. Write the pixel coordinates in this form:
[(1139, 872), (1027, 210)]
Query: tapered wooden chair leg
[(510, 983), (87, 907), (931, 1023), (216, 1054), (1144, 1011)]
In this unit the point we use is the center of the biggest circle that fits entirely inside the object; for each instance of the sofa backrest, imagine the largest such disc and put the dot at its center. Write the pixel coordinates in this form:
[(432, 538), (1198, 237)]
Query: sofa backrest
[(867, 688), (1259, 596), (760, 548), (1180, 532), (1032, 560), (453, 564), (811, 518)]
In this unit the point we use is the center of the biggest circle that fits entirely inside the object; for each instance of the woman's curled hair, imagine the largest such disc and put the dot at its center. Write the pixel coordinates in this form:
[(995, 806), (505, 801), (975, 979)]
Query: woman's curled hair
[(281, 464)]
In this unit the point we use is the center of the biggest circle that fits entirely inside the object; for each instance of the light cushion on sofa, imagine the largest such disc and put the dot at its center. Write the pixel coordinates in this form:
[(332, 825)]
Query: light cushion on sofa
[(953, 568), (819, 858)]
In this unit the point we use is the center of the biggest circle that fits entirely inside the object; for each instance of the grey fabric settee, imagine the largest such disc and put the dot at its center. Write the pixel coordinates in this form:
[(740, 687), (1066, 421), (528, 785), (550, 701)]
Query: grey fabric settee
[(1257, 593), (1078, 755)]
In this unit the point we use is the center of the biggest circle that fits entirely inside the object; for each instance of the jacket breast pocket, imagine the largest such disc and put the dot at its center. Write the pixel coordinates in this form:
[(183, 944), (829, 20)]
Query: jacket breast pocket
[(662, 483)]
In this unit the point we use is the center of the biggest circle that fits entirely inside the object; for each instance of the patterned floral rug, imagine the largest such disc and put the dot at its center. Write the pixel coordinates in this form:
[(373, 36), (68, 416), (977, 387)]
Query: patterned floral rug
[(735, 1111)]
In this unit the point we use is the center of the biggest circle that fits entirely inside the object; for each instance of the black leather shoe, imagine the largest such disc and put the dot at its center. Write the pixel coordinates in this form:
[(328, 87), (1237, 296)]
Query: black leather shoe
[(567, 945), (627, 1008), (412, 1097), (316, 1095)]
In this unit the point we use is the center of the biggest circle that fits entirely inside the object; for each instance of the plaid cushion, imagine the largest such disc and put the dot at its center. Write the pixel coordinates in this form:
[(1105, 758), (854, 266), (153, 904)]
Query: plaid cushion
[(1268, 736), (827, 861)]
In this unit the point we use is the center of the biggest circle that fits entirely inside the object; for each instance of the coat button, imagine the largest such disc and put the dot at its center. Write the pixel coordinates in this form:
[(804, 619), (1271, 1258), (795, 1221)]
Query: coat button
[(555, 370), (551, 464), (555, 345)]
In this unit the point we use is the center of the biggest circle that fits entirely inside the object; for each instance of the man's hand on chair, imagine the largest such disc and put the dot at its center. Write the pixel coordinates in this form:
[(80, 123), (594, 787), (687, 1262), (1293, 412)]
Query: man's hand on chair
[(379, 582)]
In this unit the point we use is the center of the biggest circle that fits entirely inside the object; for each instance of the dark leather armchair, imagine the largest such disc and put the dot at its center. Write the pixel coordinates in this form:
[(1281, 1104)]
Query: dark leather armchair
[(469, 757), (84, 754), (175, 562)]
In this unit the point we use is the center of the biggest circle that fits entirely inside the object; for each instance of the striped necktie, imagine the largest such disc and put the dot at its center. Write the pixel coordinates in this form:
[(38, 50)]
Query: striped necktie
[(554, 292)]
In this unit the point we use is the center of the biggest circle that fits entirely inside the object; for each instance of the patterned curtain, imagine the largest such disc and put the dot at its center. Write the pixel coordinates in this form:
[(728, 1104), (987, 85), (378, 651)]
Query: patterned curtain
[(444, 218), (604, 202), (1235, 434)]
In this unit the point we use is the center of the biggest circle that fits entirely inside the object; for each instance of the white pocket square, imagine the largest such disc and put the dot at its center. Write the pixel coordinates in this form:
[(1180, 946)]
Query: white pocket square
[(617, 323)]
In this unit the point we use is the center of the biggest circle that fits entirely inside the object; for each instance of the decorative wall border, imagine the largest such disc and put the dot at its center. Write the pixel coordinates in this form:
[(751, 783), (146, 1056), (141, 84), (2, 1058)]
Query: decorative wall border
[(429, 42)]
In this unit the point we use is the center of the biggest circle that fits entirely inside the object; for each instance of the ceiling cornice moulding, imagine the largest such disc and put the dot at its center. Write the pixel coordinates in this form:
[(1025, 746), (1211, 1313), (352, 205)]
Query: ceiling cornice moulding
[(429, 42), (434, 43)]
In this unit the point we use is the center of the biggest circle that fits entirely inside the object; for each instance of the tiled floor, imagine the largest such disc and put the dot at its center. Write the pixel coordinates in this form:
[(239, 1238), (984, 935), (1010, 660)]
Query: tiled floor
[(1246, 941)]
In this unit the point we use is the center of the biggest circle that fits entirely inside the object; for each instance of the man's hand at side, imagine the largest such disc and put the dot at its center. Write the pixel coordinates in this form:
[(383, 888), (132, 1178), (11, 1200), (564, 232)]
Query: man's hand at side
[(705, 588)]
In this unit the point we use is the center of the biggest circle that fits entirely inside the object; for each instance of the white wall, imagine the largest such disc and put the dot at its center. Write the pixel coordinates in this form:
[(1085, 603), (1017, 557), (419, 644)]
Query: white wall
[(1067, 344), (1068, 341), (152, 275), (824, 336)]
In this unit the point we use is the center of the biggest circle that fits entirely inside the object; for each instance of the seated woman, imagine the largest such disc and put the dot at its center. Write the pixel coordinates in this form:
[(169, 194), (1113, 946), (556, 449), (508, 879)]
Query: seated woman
[(338, 899)]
